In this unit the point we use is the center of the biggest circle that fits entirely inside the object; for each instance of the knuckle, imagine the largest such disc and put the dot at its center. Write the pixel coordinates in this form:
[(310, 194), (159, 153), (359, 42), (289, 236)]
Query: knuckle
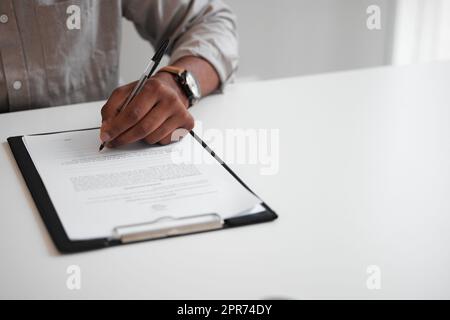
[(141, 129), (118, 91), (172, 98), (174, 105), (104, 111), (115, 92), (134, 114), (187, 118), (155, 84), (171, 108), (152, 119)]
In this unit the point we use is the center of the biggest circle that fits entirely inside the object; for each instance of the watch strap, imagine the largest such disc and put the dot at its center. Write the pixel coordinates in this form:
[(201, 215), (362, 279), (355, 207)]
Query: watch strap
[(178, 73), (173, 70)]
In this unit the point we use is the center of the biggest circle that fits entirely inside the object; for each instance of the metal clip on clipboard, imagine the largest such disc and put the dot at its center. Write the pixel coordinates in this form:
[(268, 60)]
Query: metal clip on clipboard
[(166, 227)]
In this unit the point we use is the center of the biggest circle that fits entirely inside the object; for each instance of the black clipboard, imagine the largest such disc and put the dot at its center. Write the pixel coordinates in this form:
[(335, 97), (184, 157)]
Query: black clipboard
[(65, 245)]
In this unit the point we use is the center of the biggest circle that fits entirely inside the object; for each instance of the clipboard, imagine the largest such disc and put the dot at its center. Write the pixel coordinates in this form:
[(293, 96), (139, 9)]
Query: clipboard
[(159, 229)]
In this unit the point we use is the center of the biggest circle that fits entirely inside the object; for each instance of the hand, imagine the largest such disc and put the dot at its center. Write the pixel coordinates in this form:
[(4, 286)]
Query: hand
[(153, 115)]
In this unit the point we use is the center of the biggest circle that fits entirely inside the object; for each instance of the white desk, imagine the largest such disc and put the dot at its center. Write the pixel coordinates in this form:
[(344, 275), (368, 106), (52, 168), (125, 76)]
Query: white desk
[(364, 180)]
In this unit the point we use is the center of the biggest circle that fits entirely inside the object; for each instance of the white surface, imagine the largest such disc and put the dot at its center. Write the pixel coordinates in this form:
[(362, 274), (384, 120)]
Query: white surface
[(364, 180)]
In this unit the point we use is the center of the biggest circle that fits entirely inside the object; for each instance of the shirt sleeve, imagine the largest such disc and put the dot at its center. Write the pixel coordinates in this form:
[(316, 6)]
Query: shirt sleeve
[(203, 28)]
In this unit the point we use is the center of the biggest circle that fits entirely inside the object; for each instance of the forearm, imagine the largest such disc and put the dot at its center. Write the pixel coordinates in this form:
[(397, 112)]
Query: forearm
[(208, 30), (204, 43)]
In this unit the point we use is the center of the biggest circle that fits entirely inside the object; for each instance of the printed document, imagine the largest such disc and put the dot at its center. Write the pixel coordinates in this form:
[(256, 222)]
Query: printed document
[(93, 192)]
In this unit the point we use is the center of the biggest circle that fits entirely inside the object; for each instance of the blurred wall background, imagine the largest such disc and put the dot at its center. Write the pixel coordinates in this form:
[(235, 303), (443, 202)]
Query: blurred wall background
[(285, 38)]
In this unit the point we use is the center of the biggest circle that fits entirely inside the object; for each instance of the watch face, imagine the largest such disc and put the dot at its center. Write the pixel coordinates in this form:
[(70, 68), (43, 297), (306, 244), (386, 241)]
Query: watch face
[(193, 85)]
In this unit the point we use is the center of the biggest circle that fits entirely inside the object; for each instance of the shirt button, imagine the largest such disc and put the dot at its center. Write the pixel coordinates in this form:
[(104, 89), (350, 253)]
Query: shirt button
[(3, 18), (17, 85)]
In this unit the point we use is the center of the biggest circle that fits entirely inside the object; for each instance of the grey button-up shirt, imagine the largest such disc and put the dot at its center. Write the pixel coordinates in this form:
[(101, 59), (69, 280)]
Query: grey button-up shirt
[(56, 52)]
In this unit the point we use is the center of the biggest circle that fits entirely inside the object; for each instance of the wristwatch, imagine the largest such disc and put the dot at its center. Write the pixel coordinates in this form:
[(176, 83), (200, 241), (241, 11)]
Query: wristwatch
[(187, 82)]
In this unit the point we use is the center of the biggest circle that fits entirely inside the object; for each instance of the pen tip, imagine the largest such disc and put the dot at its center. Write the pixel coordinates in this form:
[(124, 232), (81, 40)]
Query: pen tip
[(101, 147)]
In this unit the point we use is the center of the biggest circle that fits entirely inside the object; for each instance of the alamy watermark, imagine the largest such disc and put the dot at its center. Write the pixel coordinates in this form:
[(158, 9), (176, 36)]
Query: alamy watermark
[(373, 281), (73, 281), (259, 147), (73, 21), (373, 21)]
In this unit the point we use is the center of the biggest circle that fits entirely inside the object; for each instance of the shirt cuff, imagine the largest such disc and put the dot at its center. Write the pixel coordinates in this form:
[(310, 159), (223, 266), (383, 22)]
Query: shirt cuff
[(224, 66)]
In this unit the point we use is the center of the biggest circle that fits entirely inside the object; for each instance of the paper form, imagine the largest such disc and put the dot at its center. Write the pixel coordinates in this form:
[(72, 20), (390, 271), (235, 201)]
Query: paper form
[(93, 192)]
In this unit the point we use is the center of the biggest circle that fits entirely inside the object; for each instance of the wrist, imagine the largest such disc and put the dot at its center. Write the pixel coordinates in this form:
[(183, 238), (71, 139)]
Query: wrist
[(170, 80), (186, 81)]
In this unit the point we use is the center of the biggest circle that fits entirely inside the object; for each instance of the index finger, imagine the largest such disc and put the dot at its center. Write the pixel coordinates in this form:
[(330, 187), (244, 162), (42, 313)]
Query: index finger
[(116, 100), (129, 116)]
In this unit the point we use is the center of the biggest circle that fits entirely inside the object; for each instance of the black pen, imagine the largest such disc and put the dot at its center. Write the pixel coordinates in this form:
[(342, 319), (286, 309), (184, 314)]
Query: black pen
[(149, 70)]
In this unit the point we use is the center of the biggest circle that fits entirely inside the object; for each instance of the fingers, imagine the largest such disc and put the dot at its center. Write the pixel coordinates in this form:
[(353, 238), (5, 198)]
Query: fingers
[(133, 113), (163, 133), (148, 124), (112, 107), (153, 115), (160, 122), (115, 101)]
